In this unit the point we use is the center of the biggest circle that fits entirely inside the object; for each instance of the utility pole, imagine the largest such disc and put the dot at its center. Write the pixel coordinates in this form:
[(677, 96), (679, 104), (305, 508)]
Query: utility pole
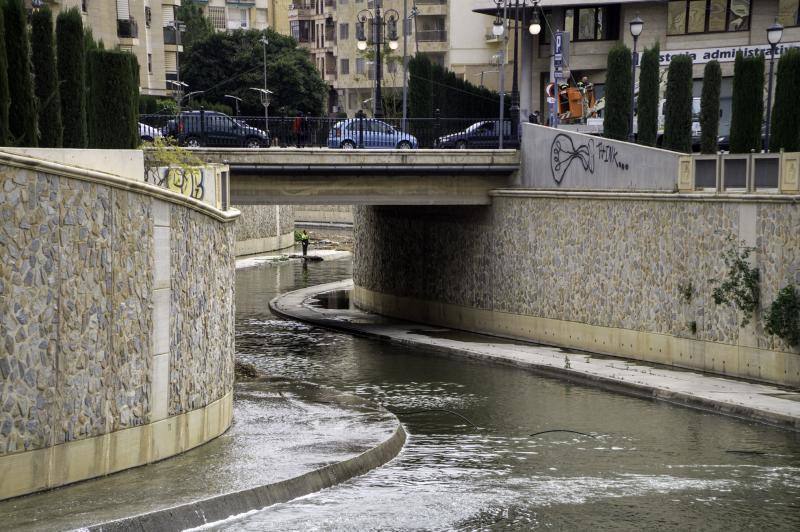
[(265, 42)]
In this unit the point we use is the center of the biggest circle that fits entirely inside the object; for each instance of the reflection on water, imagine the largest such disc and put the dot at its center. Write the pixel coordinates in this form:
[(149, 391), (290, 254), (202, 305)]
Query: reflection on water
[(651, 466)]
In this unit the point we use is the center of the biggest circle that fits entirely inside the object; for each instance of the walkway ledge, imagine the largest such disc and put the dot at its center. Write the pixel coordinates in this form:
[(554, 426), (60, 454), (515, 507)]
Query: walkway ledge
[(772, 405)]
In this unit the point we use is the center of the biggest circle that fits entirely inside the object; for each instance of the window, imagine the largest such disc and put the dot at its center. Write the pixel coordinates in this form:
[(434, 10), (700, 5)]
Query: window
[(360, 64), (83, 5), (391, 66), (344, 31), (301, 30), (591, 23), (148, 16), (702, 16), (431, 28), (217, 17), (149, 63), (789, 12), (352, 100), (344, 66)]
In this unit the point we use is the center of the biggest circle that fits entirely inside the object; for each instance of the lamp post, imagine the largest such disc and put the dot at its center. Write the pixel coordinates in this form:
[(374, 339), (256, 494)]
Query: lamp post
[(265, 96), (774, 36), (178, 87), (178, 26), (515, 76), (636, 27), (266, 92), (499, 30), (388, 20), (236, 101)]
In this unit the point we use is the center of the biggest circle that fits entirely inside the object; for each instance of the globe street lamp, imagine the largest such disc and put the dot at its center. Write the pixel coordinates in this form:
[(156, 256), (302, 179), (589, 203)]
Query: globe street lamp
[(636, 27), (379, 21), (774, 36), (498, 30)]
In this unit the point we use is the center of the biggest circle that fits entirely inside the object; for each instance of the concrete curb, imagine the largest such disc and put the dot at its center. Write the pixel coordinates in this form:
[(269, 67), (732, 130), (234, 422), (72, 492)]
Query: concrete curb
[(220, 507), (282, 306)]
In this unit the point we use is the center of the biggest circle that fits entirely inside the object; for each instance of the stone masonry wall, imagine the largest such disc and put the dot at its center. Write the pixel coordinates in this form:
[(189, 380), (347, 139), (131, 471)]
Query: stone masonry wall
[(260, 221), (76, 309), (615, 263)]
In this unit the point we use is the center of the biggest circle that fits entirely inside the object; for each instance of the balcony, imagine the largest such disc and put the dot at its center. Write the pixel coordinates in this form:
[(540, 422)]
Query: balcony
[(170, 35), (127, 29), (491, 37), (432, 36), (301, 10), (329, 6), (431, 2)]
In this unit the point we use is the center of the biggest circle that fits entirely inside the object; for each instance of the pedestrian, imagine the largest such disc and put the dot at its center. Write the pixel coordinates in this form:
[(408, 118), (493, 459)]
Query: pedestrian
[(298, 127), (304, 242), (533, 118)]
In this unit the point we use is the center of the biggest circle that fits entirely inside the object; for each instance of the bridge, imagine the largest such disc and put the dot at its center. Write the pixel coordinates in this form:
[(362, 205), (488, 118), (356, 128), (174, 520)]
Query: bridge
[(285, 176)]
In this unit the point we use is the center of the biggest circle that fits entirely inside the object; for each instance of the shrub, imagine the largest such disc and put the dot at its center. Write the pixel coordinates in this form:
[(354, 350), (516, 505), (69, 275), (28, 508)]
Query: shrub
[(71, 77), (783, 316), (647, 102), (747, 107), (618, 93), (22, 113), (5, 99), (678, 108), (46, 79), (785, 132), (709, 107), (115, 90)]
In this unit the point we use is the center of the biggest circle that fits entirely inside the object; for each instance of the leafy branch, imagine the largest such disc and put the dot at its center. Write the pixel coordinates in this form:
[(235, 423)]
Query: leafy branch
[(783, 317), (739, 288)]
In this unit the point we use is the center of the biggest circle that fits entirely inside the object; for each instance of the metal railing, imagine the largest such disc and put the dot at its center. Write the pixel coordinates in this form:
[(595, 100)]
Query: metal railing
[(127, 29), (432, 35), (218, 130)]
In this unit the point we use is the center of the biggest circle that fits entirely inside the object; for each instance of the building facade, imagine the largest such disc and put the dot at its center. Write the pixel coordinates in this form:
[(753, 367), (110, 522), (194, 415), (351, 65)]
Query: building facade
[(703, 29), (229, 15)]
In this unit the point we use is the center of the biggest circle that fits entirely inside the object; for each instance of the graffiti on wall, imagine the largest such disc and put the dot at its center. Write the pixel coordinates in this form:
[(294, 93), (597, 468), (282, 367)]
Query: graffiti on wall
[(185, 181), (563, 153)]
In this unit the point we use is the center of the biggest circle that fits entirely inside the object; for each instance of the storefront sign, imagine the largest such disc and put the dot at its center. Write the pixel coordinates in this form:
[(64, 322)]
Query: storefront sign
[(724, 53)]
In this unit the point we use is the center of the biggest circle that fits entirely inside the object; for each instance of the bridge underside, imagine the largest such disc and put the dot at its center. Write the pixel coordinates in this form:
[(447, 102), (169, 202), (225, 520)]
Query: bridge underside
[(320, 176)]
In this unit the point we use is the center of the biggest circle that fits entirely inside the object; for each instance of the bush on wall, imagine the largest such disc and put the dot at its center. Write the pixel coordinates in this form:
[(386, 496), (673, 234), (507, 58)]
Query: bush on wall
[(71, 77), (747, 107), (647, 102), (115, 99), (22, 118), (46, 78), (618, 93), (785, 132), (709, 107), (678, 107)]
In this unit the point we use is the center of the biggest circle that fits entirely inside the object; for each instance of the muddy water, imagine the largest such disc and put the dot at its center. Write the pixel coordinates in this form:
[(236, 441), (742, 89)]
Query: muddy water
[(649, 465)]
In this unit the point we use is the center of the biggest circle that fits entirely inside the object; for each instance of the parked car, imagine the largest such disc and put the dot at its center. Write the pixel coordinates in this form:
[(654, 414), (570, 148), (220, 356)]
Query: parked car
[(479, 135), (148, 133), (376, 135), (216, 130)]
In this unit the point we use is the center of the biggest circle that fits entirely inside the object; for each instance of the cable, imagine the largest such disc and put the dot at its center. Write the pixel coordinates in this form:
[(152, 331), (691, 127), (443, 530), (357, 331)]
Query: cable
[(561, 430), (435, 410)]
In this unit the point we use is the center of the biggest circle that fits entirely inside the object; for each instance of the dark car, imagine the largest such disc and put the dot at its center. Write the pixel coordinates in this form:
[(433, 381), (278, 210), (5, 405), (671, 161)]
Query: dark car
[(479, 135), (215, 130)]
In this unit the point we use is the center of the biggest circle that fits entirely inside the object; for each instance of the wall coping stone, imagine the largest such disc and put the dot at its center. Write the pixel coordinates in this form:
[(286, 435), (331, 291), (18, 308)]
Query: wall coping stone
[(645, 196)]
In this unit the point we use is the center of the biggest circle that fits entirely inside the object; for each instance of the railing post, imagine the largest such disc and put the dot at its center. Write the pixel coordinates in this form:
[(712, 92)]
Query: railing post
[(360, 116), (437, 124), (203, 125)]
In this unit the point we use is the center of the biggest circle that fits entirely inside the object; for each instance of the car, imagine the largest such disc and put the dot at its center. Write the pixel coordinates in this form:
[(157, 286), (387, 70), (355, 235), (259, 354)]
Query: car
[(376, 135), (479, 135), (148, 133), (216, 130)]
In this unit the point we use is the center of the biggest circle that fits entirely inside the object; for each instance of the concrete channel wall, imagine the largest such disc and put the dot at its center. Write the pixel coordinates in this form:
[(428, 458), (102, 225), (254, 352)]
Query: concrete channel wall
[(117, 316), (603, 272), (263, 228)]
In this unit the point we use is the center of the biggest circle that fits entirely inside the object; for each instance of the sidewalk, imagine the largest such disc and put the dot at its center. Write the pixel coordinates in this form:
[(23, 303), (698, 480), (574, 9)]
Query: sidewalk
[(763, 403)]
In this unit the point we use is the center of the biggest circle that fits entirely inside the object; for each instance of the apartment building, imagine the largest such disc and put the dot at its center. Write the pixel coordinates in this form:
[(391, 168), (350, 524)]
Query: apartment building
[(139, 26), (229, 15), (702, 29)]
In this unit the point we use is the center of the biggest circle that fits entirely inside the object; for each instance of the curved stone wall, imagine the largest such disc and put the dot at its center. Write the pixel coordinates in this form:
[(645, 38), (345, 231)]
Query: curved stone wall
[(599, 272), (263, 228), (116, 324)]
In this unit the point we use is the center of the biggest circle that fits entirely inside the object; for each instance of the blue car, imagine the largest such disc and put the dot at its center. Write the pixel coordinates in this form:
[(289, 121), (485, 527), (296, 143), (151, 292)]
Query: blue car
[(377, 135)]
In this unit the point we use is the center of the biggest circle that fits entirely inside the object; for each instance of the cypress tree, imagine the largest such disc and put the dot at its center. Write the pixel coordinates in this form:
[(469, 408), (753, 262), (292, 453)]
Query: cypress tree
[(618, 93), (89, 45), (647, 102), (785, 124), (420, 103), (678, 109), (114, 112), (709, 107), (22, 113), (5, 98), (71, 77), (747, 107), (46, 79)]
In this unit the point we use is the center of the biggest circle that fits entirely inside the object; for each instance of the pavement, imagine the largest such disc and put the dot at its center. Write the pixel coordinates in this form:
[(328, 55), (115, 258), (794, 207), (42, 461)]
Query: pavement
[(764, 403), (319, 254)]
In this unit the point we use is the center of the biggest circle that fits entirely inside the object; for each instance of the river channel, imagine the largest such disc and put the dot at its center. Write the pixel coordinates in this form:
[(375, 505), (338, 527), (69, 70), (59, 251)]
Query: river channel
[(650, 465)]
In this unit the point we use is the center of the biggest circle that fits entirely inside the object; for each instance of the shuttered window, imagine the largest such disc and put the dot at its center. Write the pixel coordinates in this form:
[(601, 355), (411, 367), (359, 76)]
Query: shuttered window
[(170, 62), (168, 14), (123, 10), (217, 16)]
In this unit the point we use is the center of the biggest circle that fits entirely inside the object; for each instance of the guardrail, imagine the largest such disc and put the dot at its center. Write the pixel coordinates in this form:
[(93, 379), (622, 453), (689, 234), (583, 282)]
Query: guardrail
[(218, 130), (762, 173)]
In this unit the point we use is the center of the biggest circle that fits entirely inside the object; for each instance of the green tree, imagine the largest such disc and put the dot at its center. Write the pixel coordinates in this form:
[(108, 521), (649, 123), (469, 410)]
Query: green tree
[(647, 102), (420, 88), (115, 99), (46, 78), (5, 98), (678, 107), (89, 45), (747, 107), (229, 63), (785, 132), (71, 76), (22, 113), (617, 112), (709, 107), (198, 26)]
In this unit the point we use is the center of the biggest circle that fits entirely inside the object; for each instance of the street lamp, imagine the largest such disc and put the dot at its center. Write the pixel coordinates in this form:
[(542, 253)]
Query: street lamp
[(178, 26), (498, 30), (387, 20), (236, 101), (774, 36), (265, 96), (636, 27), (536, 27), (264, 41), (178, 87)]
